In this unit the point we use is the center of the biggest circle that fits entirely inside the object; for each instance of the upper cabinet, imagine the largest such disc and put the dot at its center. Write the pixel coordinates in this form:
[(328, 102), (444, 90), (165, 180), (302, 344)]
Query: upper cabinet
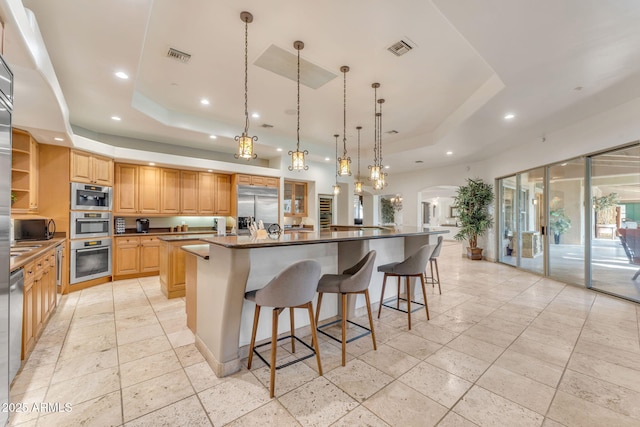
[(263, 181), (153, 190), (295, 198), (91, 169), (24, 172)]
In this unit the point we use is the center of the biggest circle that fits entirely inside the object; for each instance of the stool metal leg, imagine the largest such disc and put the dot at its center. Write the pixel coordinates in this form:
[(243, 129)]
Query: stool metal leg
[(384, 284), (344, 329), (256, 316), (373, 334), (408, 284), (435, 261), (274, 345), (314, 337), (293, 329), (424, 293), (433, 281)]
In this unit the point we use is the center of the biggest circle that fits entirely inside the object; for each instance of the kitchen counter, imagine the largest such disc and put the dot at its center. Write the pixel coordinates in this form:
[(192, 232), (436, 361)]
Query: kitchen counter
[(24, 258), (176, 237), (238, 264), (249, 242), (201, 251), (164, 231)]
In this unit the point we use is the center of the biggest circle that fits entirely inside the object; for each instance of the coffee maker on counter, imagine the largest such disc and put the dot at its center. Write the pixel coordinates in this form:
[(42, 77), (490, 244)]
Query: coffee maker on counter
[(142, 225)]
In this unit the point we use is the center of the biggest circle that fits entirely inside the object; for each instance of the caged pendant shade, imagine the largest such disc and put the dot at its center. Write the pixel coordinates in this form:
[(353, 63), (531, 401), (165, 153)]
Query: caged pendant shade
[(297, 157)]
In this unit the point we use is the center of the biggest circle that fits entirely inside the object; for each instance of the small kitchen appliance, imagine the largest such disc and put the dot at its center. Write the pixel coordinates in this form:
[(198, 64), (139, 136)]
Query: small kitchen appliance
[(142, 225)]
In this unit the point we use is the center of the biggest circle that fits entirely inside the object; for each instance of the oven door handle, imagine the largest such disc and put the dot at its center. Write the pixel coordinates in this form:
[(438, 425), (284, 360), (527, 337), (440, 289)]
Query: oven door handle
[(92, 219), (92, 249)]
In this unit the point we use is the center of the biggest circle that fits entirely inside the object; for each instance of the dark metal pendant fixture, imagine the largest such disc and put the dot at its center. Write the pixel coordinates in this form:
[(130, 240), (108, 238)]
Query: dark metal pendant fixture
[(297, 157), (374, 170), (344, 161), (245, 142), (381, 182)]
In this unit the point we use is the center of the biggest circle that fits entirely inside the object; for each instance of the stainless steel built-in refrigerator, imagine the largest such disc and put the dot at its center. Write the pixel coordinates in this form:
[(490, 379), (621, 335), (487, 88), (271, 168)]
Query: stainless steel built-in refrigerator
[(255, 204), (6, 106)]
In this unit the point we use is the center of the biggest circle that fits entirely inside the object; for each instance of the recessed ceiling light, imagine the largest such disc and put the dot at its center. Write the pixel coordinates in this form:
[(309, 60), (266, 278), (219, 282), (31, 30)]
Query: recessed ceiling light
[(122, 75), (387, 167), (327, 159), (151, 164), (204, 101), (278, 149), (213, 137), (449, 153), (116, 118), (58, 139), (564, 164), (509, 116), (255, 115)]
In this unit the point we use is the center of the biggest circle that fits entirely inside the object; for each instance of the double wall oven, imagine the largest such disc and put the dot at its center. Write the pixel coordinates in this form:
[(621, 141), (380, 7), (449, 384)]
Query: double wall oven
[(90, 228)]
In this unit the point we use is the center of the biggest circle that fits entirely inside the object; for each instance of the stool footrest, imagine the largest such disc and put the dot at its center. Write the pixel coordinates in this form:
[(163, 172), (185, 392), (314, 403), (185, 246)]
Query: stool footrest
[(386, 304), (364, 334), (284, 365)]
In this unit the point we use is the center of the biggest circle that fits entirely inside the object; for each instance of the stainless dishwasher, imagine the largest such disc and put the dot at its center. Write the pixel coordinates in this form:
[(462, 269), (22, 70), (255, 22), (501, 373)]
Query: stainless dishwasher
[(16, 297)]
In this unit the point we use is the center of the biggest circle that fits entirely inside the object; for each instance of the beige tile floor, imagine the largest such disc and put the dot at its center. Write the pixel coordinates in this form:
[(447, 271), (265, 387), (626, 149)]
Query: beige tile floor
[(502, 348)]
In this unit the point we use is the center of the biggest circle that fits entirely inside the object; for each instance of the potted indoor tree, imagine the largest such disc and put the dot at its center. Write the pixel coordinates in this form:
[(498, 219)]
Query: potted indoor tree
[(473, 201), (559, 223)]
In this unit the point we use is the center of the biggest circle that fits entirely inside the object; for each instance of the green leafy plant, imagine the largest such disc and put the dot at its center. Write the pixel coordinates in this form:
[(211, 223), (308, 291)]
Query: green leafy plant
[(13, 197), (473, 201), (605, 202), (559, 222), (388, 214)]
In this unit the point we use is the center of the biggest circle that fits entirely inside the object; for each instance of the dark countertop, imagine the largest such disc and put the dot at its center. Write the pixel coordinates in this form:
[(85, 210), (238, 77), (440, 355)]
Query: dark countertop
[(26, 257), (175, 237), (201, 251), (248, 242), (163, 232)]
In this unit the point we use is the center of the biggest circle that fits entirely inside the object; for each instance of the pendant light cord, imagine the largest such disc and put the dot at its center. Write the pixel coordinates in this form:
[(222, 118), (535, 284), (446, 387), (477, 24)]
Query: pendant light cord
[(359, 127), (298, 130), (246, 72), (344, 116)]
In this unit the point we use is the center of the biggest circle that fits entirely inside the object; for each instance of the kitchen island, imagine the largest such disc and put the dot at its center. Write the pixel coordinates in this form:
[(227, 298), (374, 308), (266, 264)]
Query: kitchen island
[(242, 263)]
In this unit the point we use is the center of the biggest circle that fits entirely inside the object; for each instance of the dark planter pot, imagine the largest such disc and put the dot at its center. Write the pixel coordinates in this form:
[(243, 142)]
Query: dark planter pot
[(474, 253), (556, 238)]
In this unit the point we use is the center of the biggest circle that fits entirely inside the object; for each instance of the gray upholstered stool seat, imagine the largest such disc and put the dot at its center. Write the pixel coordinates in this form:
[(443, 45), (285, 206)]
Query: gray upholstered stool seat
[(433, 262), (293, 287), (354, 280), (414, 266)]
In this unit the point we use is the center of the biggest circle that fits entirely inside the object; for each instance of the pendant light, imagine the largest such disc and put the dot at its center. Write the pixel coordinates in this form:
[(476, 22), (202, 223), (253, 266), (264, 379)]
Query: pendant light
[(358, 183), (345, 162), (374, 170), (382, 178), (297, 157), (336, 187), (245, 142)]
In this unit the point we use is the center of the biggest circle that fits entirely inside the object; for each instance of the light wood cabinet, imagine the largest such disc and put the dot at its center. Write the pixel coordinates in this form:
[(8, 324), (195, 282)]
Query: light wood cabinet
[(134, 255), (40, 298), (295, 199), (126, 189), (152, 190), (148, 189), (263, 181), (189, 192), (91, 168), (206, 196), (24, 172), (170, 191), (172, 267), (222, 194)]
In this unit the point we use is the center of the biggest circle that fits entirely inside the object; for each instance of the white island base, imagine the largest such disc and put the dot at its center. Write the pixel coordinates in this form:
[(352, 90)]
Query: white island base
[(239, 264)]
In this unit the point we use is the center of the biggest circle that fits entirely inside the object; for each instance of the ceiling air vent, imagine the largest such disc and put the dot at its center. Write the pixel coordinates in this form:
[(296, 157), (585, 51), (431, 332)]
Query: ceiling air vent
[(267, 126), (178, 55), (400, 48)]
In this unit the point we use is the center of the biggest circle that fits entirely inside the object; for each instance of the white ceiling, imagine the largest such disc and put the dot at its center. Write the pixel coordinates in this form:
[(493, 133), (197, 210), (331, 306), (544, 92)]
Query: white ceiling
[(473, 63)]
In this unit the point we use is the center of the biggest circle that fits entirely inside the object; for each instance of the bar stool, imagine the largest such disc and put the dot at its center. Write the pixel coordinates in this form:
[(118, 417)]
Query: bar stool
[(433, 261), (353, 280), (293, 287), (414, 266)]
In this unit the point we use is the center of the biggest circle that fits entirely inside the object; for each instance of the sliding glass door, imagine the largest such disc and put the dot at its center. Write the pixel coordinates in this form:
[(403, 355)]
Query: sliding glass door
[(531, 220), (507, 220), (615, 214), (566, 221)]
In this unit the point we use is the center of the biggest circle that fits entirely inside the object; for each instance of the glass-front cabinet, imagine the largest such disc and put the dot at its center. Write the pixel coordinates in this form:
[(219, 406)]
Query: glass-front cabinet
[(295, 198)]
